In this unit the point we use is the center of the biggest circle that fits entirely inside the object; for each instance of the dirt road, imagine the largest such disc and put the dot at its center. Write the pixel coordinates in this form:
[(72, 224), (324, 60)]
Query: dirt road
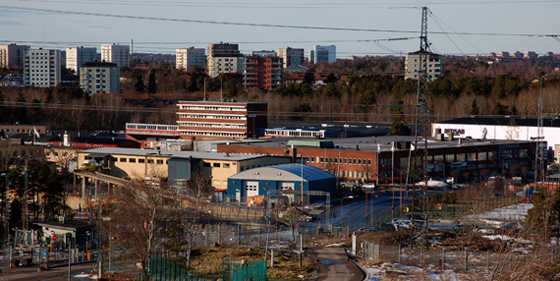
[(333, 264)]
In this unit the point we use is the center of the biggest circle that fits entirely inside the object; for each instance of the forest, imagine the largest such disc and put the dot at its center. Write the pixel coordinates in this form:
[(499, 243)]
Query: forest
[(365, 91)]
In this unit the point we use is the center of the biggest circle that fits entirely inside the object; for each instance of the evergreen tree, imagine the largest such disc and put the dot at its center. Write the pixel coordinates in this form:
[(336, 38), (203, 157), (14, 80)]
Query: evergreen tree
[(474, 108), (152, 86), (137, 81)]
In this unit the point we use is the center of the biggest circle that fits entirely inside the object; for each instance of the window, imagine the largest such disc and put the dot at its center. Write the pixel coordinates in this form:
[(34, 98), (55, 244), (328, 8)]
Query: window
[(122, 160), (321, 160), (471, 156), (150, 161), (141, 160), (369, 161), (493, 155), (226, 165), (450, 158), (461, 157), (354, 161), (482, 156), (159, 161), (132, 160), (359, 161), (216, 165)]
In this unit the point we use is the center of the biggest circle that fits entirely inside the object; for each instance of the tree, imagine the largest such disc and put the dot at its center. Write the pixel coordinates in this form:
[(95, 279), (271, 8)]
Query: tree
[(397, 125), (499, 109), (152, 86), (474, 108), (301, 109), (290, 216), (138, 218), (137, 81)]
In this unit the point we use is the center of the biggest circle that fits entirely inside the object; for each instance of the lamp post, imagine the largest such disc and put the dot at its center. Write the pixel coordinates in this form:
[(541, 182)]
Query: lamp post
[(342, 209)]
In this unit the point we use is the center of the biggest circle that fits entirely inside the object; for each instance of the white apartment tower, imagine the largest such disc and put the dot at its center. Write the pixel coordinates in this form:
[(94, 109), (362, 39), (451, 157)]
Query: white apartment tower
[(291, 56), (187, 58), (412, 65), (77, 56), (115, 53), (41, 68), (11, 56), (224, 58), (100, 77)]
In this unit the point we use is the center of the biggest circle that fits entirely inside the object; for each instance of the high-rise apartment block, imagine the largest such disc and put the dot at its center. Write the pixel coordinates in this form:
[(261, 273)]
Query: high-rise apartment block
[(291, 56), (187, 58), (224, 58), (41, 68), (220, 120), (100, 77), (263, 70), (12, 56), (77, 56), (115, 53), (323, 53), (412, 65)]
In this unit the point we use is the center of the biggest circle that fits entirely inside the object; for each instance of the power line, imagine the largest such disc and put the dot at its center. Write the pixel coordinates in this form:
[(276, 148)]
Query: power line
[(266, 25)]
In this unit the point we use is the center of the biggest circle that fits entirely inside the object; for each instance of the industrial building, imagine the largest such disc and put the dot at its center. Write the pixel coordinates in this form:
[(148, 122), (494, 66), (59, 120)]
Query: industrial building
[(289, 181)]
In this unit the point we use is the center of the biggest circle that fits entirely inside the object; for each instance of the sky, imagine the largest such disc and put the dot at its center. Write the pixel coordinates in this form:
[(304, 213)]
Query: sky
[(357, 27)]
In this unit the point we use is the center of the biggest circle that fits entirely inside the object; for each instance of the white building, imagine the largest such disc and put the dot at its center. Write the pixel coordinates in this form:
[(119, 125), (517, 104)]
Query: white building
[(77, 56), (412, 65), (11, 56), (291, 56), (323, 53), (100, 77), (502, 128), (115, 53), (41, 68), (187, 58)]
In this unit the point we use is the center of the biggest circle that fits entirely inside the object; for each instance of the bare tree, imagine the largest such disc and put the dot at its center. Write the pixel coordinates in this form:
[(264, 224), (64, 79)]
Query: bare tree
[(141, 215), (290, 216)]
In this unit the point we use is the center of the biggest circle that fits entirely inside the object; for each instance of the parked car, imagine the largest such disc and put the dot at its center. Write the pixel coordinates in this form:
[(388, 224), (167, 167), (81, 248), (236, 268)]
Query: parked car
[(370, 185), (351, 184)]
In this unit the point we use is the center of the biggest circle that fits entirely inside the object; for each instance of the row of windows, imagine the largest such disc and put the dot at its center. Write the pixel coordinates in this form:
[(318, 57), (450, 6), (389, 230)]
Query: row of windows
[(152, 127), (213, 125), (191, 133), (142, 160), (207, 116), (336, 160), (18, 130), (354, 174)]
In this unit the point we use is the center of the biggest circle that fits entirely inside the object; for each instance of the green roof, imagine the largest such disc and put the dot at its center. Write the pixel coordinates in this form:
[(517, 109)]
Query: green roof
[(311, 142)]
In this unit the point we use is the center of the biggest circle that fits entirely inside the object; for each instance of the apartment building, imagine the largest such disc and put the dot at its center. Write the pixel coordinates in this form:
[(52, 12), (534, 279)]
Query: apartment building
[(77, 56), (263, 70), (100, 77), (290, 56), (224, 58), (198, 120), (12, 56), (323, 53), (189, 57), (412, 65), (41, 68), (115, 53)]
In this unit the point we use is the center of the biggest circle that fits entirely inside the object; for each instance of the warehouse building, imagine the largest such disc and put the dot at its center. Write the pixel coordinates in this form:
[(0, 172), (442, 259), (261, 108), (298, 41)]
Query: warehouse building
[(282, 180)]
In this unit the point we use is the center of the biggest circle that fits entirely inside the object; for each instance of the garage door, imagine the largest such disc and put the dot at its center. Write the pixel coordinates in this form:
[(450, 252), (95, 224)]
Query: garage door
[(251, 189)]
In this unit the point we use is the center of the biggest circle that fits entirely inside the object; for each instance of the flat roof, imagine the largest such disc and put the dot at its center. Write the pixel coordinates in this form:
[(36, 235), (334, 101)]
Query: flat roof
[(370, 143), (502, 121), (218, 102), (172, 154)]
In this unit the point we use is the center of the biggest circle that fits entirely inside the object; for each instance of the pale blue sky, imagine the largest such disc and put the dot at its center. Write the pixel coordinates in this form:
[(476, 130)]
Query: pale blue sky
[(40, 28)]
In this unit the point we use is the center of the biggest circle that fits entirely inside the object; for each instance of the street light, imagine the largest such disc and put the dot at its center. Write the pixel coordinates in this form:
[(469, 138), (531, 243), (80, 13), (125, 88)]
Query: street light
[(342, 209)]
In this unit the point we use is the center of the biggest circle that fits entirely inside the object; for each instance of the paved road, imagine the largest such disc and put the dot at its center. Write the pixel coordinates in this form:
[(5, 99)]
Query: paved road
[(30, 273), (334, 265)]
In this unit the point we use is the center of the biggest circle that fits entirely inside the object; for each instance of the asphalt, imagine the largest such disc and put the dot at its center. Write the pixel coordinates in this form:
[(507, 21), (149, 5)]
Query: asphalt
[(333, 264)]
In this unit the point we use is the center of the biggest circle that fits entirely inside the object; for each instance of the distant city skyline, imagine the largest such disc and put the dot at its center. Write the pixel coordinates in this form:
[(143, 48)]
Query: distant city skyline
[(365, 27)]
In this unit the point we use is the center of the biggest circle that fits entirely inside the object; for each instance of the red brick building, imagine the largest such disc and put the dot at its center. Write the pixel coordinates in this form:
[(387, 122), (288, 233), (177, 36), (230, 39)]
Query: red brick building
[(198, 120)]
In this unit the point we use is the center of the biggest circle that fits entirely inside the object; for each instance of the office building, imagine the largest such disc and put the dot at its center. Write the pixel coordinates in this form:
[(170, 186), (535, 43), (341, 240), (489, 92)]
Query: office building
[(412, 65), (323, 53), (100, 77), (41, 68), (189, 57), (290, 56), (115, 53), (11, 56), (77, 56), (199, 120)]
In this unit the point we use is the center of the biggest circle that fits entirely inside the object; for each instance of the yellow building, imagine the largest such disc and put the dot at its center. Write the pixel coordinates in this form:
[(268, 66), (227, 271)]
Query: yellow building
[(175, 166)]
